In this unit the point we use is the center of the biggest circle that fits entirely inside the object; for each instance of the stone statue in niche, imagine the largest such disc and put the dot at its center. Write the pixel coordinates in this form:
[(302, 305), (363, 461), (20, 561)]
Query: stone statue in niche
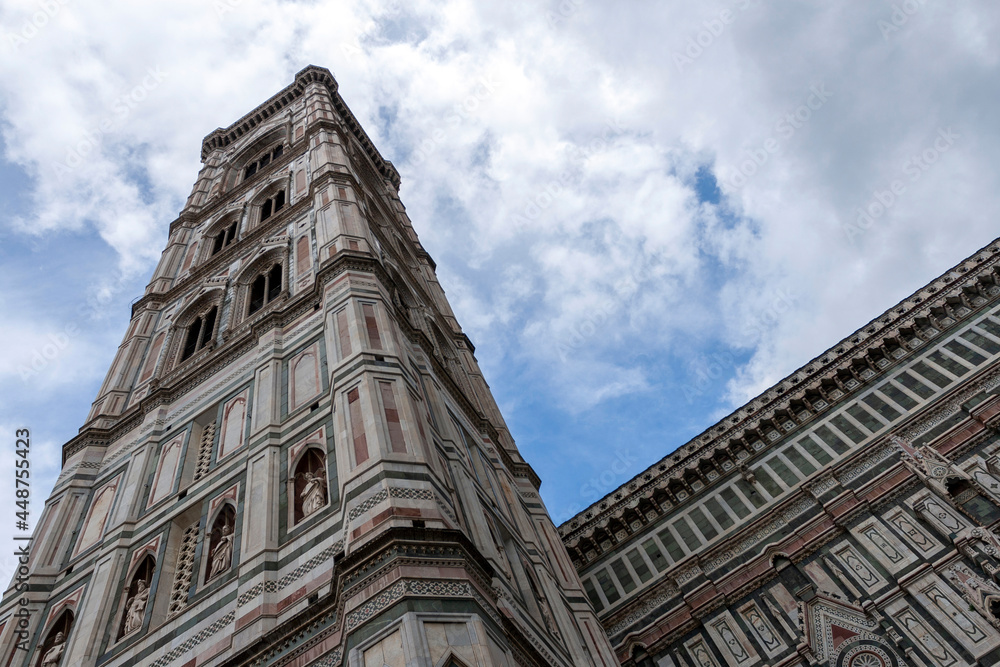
[(222, 555), (314, 492), (310, 487), (54, 654), (136, 607)]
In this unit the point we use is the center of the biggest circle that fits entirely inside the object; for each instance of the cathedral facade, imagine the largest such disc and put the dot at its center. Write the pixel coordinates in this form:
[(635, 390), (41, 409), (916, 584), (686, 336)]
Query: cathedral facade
[(844, 517), (294, 458)]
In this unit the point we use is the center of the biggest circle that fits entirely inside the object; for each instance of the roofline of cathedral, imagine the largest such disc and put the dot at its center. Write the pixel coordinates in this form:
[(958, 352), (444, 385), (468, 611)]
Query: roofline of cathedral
[(841, 359), (220, 138)]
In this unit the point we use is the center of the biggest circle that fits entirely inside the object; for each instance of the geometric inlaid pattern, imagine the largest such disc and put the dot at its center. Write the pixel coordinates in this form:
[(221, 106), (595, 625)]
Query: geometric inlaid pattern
[(383, 495), (297, 573), (406, 587), (194, 641)]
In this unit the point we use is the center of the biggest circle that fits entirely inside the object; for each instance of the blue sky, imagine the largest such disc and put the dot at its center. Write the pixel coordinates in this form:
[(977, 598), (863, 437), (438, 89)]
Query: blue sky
[(642, 217)]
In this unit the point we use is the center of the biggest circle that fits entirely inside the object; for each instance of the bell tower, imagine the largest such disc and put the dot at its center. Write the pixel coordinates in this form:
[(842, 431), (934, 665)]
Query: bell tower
[(295, 458)]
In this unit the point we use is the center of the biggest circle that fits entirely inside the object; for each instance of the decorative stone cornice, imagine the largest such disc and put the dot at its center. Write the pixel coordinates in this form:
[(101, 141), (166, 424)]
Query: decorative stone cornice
[(223, 137), (828, 379)]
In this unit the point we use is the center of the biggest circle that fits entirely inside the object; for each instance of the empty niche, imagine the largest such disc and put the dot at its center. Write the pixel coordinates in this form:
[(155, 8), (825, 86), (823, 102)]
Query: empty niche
[(303, 377), (234, 418)]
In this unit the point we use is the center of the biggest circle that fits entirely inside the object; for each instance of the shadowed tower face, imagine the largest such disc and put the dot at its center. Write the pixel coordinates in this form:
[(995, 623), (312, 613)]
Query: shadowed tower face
[(295, 459)]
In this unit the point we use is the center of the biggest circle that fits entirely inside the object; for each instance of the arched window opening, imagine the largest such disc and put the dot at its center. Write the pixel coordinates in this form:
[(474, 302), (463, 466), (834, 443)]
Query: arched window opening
[(220, 542), (274, 282), (51, 651), (641, 658), (309, 484), (967, 496), (191, 343), (994, 607), (200, 333), (224, 238), (272, 205), (260, 163), (265, 288), (137, 597)]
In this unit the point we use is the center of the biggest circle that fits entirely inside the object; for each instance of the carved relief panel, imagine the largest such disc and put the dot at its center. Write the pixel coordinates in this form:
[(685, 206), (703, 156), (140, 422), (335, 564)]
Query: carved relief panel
[(916, 536), (732, 643), (951, 612), (883, 545), (863, 572), (762, 629)]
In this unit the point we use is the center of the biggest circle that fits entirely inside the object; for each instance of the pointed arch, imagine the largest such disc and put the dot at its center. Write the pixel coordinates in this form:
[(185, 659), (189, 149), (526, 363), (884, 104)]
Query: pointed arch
[(271, 199), (221, 233), (261, 282), (310, 489), (136, 596), (50, 651), (221, 541), (252, 152), (196, 326)]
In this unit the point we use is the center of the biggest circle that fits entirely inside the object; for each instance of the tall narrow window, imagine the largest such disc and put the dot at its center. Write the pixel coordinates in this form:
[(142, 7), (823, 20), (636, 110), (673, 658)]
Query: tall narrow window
[(200, 332), (208, 328), (274, 282), (224, 238), (261, 162), (272, 205), (257, 293), (191, 343), (265, 288)]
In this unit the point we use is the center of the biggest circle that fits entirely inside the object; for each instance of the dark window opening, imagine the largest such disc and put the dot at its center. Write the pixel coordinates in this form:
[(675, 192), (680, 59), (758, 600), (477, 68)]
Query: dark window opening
[(261, 163), (191, 343), (265, 288), (975, 505), (257, 294), (224, 238), (272, 205), (274, 283), (208, 328), (200, 333)]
